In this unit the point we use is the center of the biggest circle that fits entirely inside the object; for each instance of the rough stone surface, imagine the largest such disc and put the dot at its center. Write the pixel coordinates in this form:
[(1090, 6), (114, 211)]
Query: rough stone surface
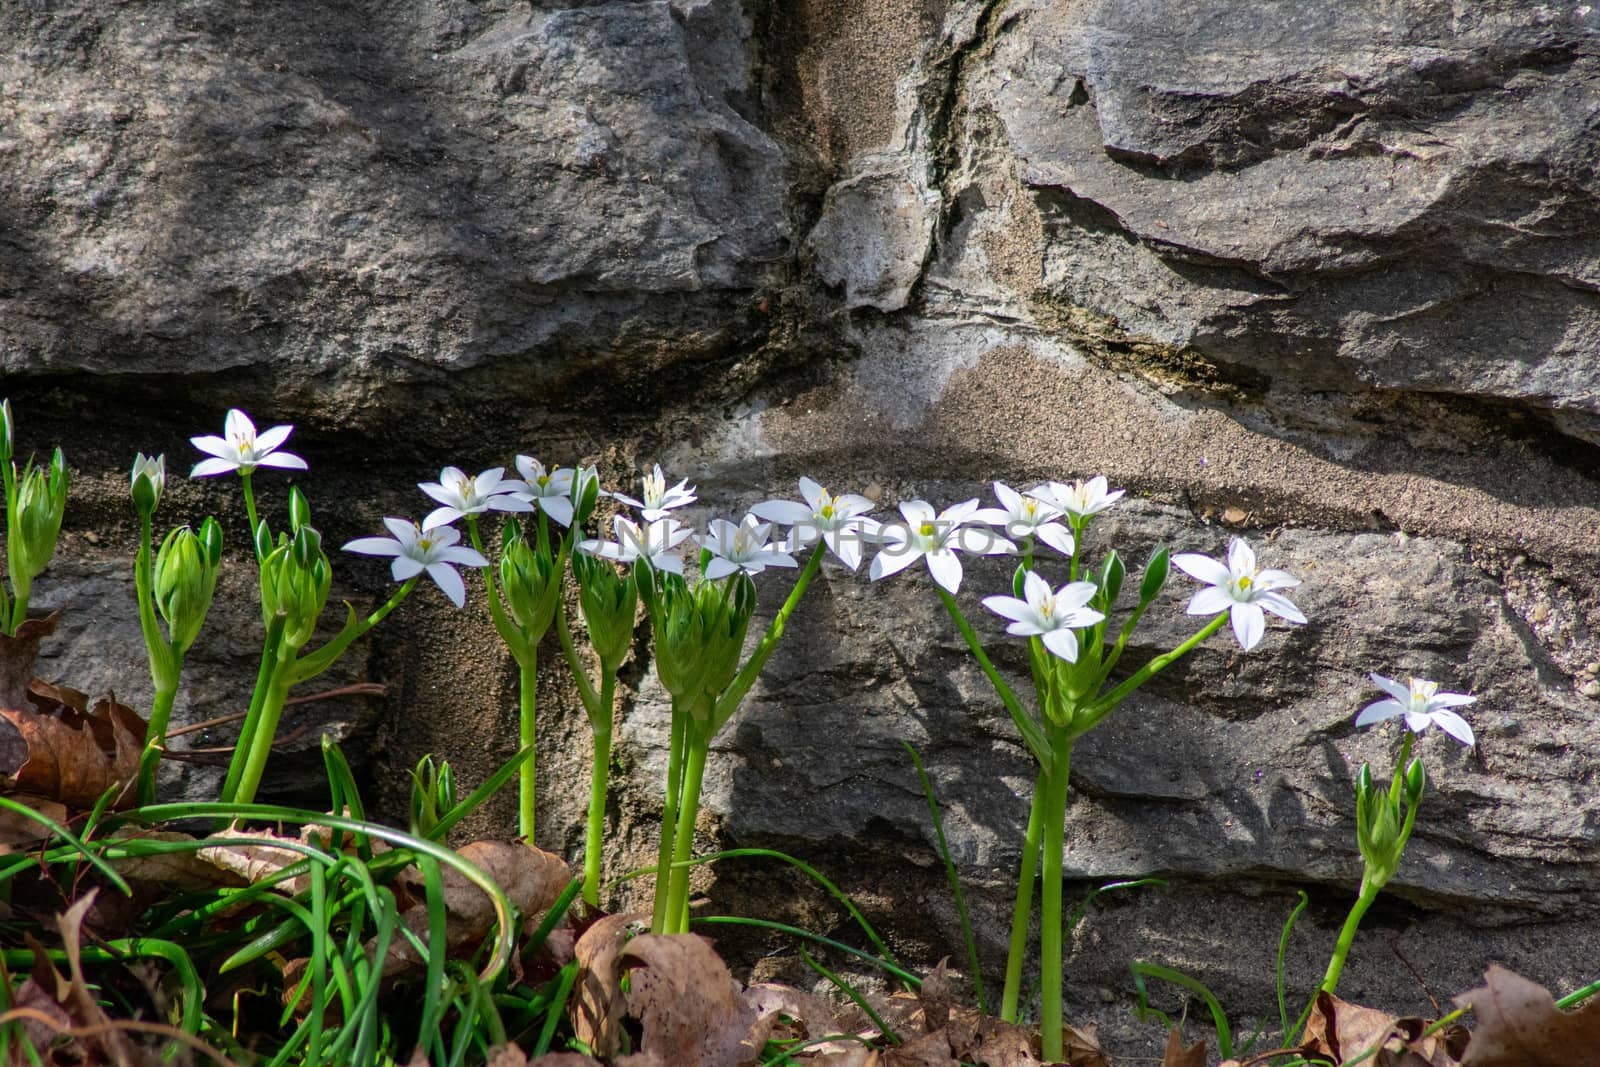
[(1322, 278)]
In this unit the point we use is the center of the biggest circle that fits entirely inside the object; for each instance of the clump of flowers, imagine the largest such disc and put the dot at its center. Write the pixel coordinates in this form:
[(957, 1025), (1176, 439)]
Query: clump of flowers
[(1073, 652)]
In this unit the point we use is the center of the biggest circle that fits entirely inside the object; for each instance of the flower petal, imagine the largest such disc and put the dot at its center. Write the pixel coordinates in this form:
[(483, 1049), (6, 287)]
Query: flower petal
[(441, 517), (212, 445), (892, 560), (207, 467), (1377, 712), (1241, 557), (1057, 537), (1451, 700), (558, 508), (1280, 606), (1248, 625), (1203, 568), (462, 556), (405, 567), (375, 546), (1211, 600), (1009, 607), (718, 567), (788, 512), (283, 461), (945, 568), (1401, 693), (1063, 643), (1455, 726), (237, 425), (267, 440), (448, 581)]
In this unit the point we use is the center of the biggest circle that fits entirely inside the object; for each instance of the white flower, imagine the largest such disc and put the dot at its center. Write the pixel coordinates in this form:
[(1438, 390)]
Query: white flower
[(938, 538), (1422, 705), (462, 494), (1049, 616), (242, 449), (658, 499), (654, 543), (836, 519), (1240, 588), (550, 490), (741, 548), (1028, 516), (1081, 499), (416, 550)]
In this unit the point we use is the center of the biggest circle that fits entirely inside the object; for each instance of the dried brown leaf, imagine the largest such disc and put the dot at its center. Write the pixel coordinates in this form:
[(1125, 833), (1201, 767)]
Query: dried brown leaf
[(810, 1016), (597, 1008), (65, 750), (936, 997), (183, 870), (255, 862), (1519, 1025), (20, 833), (17, 654), (690, 1010), (1342, 1031), (1177, 1055), (923, 1050)]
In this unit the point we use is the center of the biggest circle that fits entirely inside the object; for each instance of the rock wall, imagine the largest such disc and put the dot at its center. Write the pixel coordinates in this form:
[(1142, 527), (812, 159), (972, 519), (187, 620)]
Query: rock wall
[(1323, 278)]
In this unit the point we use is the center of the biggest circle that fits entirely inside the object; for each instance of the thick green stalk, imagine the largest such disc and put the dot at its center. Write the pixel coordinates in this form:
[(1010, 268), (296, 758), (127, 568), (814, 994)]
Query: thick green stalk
[(312, 664), (10, 621), (599, 775), (527, 717), (1054, 817), (1022, 911), (683, 850), (266, 730), (1347, 935), (669, 816), (252, 718), (569, 650), (508, 631), (154, 744)]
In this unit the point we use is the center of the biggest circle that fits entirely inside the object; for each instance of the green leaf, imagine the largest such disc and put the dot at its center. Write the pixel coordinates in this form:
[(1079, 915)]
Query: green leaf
[(1111, 574), (1155, 575)]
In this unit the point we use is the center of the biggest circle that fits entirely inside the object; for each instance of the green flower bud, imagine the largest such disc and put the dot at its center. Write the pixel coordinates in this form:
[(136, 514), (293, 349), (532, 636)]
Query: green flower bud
[(149, 479), (700, 632), (609, 601), (263, 539), (294, 590), (299, 509), (41, 500), (1416, 782), (529, 584), (185, 578), (585, 494), (211, 540)]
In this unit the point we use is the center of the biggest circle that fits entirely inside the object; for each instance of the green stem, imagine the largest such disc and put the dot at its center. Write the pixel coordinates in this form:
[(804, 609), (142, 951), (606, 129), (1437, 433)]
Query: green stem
[(599, 775), (1099, 708), (266, 730), (1054, 817), (683, 849), (1022, 911), (599, 772), (504, 626), (252, 718), (669, 817), (13, 544), (527, 704), (312, 664), (569, 650), (250, 510), (729, 702), (1024, 722), (154, 744), (1347, 935)]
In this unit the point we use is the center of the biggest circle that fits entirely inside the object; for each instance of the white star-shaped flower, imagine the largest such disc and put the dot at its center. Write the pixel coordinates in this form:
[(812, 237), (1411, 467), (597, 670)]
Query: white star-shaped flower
[(1049, 616), (242, 449), (1238, 587), (1420, 701), (416, 550), (461, 494)]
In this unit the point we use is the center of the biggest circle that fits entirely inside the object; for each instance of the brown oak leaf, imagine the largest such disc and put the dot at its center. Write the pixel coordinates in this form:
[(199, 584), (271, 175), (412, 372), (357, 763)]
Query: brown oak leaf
[(1519, 1025)]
